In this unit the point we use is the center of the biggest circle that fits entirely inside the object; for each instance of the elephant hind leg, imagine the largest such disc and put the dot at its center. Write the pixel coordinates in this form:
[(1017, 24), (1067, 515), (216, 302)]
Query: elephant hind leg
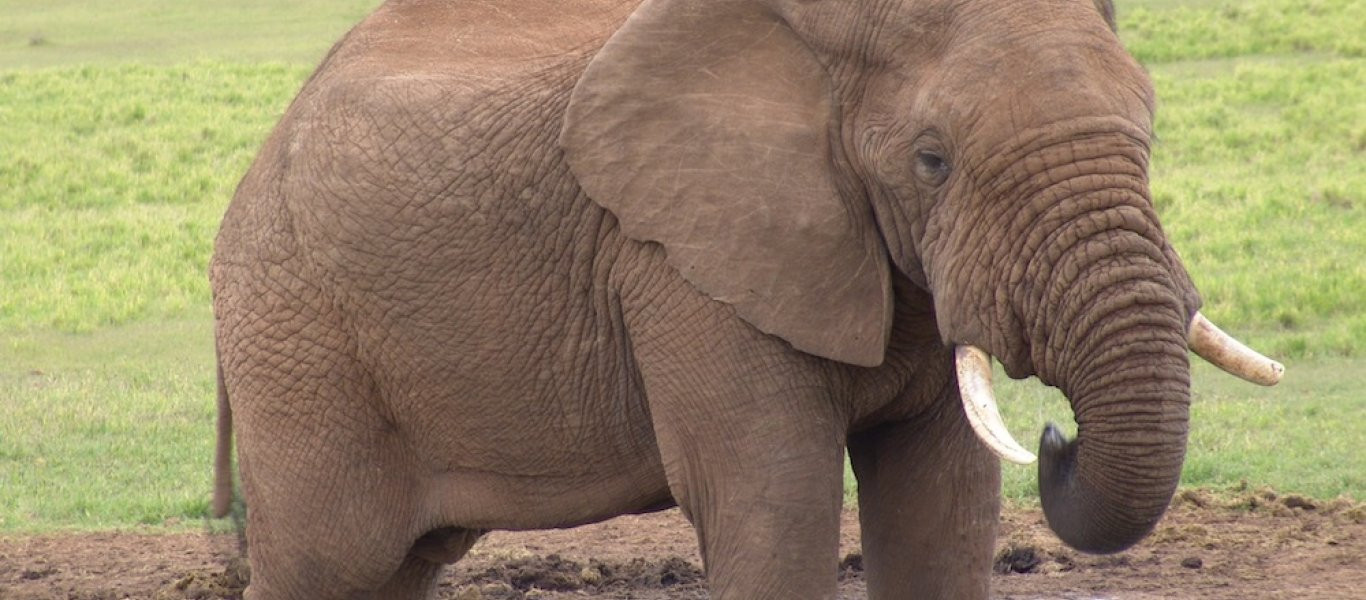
[(415, 578), (445, 545), (421, 569)]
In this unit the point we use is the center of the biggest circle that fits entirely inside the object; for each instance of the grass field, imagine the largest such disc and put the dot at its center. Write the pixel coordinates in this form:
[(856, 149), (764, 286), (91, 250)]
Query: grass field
[(164, 32), (124, 128)]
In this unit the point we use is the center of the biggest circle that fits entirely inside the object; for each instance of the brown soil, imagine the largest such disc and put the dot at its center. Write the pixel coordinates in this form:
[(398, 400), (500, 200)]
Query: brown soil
[(1258, 545)]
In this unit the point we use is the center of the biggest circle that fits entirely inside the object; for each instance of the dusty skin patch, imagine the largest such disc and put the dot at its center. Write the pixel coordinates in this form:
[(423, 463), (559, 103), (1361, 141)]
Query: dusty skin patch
[(1256, 545)]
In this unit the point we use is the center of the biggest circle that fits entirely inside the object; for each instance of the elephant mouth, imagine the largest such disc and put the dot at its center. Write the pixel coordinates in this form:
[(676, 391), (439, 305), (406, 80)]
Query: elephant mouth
[(973, 367)]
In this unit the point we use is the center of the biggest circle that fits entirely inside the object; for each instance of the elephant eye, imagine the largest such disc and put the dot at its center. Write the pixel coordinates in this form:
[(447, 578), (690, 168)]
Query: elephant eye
[(931, 167)]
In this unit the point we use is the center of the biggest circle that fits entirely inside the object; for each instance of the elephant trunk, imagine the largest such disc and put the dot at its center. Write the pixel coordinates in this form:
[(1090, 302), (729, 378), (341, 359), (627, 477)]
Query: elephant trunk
[(1091, 299), (1128, 380), (1085, 292), (1109, 328)]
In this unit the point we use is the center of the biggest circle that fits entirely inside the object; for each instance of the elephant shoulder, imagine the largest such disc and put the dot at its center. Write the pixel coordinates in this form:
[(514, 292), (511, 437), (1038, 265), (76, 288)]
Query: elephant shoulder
[(425, 100), (446, 79)]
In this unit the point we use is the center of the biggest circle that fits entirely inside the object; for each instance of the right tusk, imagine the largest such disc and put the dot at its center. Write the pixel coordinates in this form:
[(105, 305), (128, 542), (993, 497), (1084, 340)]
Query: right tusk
[(1229, 354), (973, 366)]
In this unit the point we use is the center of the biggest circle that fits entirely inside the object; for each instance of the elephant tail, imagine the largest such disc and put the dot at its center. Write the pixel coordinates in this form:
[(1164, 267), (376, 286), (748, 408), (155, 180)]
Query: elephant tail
[(222, 459)]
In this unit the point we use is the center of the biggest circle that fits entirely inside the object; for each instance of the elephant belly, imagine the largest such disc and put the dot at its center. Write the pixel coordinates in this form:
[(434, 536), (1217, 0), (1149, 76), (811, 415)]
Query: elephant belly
[(503, 365), (515, 423)]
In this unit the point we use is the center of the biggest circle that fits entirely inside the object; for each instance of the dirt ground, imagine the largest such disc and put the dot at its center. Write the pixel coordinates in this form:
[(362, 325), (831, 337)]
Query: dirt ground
[(1255, 545)]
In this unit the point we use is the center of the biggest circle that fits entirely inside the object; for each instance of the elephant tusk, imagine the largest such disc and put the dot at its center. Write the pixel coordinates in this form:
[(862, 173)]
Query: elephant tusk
[(1229, 354), (973, 366)]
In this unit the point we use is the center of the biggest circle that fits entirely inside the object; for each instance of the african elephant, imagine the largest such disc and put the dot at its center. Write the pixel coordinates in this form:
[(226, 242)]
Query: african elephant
[(516, 265)]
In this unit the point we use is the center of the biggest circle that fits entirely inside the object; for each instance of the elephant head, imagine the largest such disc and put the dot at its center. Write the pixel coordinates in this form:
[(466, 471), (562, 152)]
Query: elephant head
[(794, 156)]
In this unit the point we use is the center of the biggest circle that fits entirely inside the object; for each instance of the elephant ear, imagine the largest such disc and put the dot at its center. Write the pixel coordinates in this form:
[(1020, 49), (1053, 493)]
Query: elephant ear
[(706, 127)]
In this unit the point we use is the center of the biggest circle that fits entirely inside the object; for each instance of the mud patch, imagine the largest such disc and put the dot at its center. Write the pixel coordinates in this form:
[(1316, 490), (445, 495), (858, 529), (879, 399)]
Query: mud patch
[(531, 576), (1247, 544), (1017, 559), (1255, 544), (851, 567), (227, 582)]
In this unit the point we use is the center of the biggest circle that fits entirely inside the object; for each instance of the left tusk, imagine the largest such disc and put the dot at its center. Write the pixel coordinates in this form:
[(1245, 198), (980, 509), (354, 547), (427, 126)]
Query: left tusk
[(973, 366), (1229, 354)]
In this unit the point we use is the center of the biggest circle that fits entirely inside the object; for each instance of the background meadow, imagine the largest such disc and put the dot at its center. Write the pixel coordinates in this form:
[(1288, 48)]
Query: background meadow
[(125, 125)]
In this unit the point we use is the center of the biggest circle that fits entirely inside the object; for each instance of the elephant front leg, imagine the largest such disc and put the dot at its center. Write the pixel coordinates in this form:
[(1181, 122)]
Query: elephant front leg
[(751, 440), (929, 503), (764, 495)]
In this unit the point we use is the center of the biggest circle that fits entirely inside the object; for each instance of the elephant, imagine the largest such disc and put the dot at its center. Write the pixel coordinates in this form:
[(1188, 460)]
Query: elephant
[(522, 265)]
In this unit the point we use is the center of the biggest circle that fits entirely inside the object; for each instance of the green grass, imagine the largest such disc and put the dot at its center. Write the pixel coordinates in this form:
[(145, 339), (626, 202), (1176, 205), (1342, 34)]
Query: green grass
[(1303, 435), (1259, 175), (114, 182), (62, 32), (1167, 30), (125, 125), (107, 429)]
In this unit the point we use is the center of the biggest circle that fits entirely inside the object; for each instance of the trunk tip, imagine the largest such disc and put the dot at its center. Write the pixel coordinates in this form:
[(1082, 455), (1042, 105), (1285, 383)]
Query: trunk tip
[(1053, 440), (1057, 457), (1070, 506)]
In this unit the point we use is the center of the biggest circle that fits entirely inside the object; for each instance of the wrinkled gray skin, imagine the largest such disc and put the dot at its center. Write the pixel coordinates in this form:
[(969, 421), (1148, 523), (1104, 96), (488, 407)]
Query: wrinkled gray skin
[(536, 264)]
